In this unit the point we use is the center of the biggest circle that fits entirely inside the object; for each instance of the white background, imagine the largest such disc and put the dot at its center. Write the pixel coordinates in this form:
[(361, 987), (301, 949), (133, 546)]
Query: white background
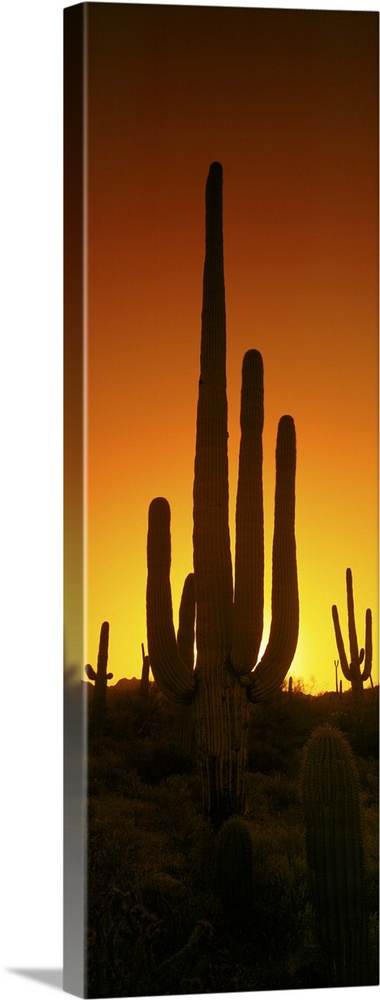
[(30, 494)]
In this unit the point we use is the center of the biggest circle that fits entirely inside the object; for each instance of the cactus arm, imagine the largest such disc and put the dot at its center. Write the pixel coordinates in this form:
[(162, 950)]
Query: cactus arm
[(90, 672), (103, 647), (340, 644), (354, 649), (368, 646), (103, 652), (184, 715), (282, 643), (186, 623), (170, 672), (249, 550), (212, 556)]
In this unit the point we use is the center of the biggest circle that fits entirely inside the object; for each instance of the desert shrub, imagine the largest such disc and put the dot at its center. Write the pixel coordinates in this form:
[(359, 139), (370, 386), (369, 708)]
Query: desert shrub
[(201, 855), (364, 733), (156, 760), (368, 771), (271, 797), (370, 822), (282, 792), (373, 949), (280, 899), (176, 798), (359, 722), (169, 900), (123, 842), (107, 773), (279, 728), (263, 757)]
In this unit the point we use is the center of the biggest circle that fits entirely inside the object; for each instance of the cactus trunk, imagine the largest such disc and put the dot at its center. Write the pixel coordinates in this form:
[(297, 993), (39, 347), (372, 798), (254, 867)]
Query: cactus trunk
[(220, 703), (211, 538), (221, 718)]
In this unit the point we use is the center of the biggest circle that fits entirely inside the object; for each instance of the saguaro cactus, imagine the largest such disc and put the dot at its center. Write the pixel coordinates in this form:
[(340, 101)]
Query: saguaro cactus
[(100, 677), (352, 671), (335, 854), (229, 620)]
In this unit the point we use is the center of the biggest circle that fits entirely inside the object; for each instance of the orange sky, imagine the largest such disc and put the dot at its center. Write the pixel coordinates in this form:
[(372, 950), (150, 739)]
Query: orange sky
[(287, 101)]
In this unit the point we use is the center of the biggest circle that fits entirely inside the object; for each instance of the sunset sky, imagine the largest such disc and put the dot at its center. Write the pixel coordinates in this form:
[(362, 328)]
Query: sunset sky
[(287, 102)]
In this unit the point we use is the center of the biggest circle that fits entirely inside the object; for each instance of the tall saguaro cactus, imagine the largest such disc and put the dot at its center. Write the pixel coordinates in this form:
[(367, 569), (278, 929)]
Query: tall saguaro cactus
[(100, 676), (229, 617), (352, 671)]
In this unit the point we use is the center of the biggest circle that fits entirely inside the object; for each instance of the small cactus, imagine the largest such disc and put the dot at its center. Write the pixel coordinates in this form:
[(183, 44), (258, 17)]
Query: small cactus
[(235, 867), (335, 858), (352, 671), (100, 677)]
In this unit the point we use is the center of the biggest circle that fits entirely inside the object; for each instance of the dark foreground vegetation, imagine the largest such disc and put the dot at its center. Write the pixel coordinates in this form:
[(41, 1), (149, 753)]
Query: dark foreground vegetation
[(159, 920)]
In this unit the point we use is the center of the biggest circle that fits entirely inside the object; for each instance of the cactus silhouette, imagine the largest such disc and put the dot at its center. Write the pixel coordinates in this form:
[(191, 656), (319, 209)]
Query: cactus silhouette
[(335, 854), (234, 864), (351, 671), (229, 618), (336, 665), (100, 677)]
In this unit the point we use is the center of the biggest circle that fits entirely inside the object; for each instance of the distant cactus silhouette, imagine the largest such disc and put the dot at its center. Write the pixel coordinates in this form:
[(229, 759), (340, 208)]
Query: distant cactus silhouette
[(100, 677), (234, 860), (336, 665), (229, 623), (352, 671), (335, 854)]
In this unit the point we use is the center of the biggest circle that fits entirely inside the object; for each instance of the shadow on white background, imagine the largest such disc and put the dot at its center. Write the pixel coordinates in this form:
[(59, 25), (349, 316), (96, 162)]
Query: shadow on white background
[(50, 977)]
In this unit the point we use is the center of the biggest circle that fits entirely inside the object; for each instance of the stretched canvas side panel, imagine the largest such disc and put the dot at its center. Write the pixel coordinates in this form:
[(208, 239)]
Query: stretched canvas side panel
[(74, 510)]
